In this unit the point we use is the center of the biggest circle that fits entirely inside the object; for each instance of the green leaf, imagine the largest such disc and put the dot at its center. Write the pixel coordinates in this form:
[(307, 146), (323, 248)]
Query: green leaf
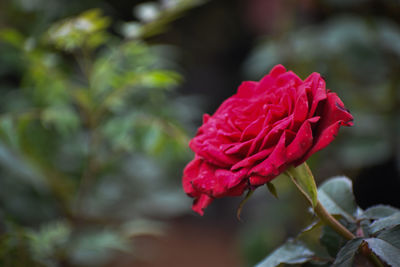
[(336, 195), (95, 247), (385, 251), (161, 78), (272, 189), (119, 132), (12, 37), (385, 223), (304, 180), (86, 31), (49, 239), (379, 211), (292, 252), (8, 131), (64, 118), (345, 257), (152, 137), (391, 236), (331, 240)]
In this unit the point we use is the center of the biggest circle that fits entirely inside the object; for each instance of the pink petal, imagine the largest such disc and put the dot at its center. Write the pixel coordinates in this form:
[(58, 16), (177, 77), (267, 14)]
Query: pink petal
[(191, 172), (272, 137), (318, 91), (212, 153), (199, 204), (206, 117), (238, 189), (334, 111), (324, 138), (268, 82), (333, 116), (271, 165), (257, 180), (300, 110), (216, 182), (288, 78), (241, 148), (250, 161), (302, 142), (226, 180), (246, 89)]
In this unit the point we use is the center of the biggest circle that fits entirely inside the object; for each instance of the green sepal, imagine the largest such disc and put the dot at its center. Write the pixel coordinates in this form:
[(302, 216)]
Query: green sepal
[(303, 178), (241, 205), (272, 189)]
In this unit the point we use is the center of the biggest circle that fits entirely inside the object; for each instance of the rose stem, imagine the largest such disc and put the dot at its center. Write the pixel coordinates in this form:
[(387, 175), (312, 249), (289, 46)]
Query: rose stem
[(305, 174), (328, 219)]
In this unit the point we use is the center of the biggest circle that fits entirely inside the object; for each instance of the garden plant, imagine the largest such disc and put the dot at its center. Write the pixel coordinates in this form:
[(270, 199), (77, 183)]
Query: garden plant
[(99, 98), (268, 129)]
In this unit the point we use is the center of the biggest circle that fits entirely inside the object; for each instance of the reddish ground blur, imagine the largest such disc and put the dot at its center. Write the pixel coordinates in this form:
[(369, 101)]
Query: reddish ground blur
[(186, 243)]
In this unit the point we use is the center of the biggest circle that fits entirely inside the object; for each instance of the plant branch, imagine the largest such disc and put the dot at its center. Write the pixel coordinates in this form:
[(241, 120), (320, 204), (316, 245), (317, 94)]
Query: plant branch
[(304, 180), (90, 171), (305, 183), (328, 219)]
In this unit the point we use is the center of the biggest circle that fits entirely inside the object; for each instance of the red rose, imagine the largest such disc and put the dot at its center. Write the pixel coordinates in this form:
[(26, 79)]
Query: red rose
[(260, 131)]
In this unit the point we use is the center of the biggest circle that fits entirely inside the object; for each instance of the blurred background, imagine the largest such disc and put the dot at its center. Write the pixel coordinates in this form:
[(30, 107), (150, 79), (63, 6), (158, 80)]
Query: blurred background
[(99, 99)]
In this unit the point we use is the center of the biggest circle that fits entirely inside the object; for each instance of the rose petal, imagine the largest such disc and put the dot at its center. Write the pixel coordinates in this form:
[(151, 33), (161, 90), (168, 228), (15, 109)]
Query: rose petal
[(205, 180), (212, 153), (289, 78), (253, 129), (191, 172), (302, 142), (241, 148), (249, 161), (206, 117), (257, 180), (276, 159), (238, 189), (324, 138), (216, 182), (318, 91), (246, 89), (199, 204), (334, 111), (334, 116), (300, 110), (226, 180), (268, 82), (272, 137)]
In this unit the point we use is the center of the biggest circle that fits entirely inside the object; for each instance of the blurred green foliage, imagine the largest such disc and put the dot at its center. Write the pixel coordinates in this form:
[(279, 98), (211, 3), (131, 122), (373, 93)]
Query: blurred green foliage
[(91, 136)]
